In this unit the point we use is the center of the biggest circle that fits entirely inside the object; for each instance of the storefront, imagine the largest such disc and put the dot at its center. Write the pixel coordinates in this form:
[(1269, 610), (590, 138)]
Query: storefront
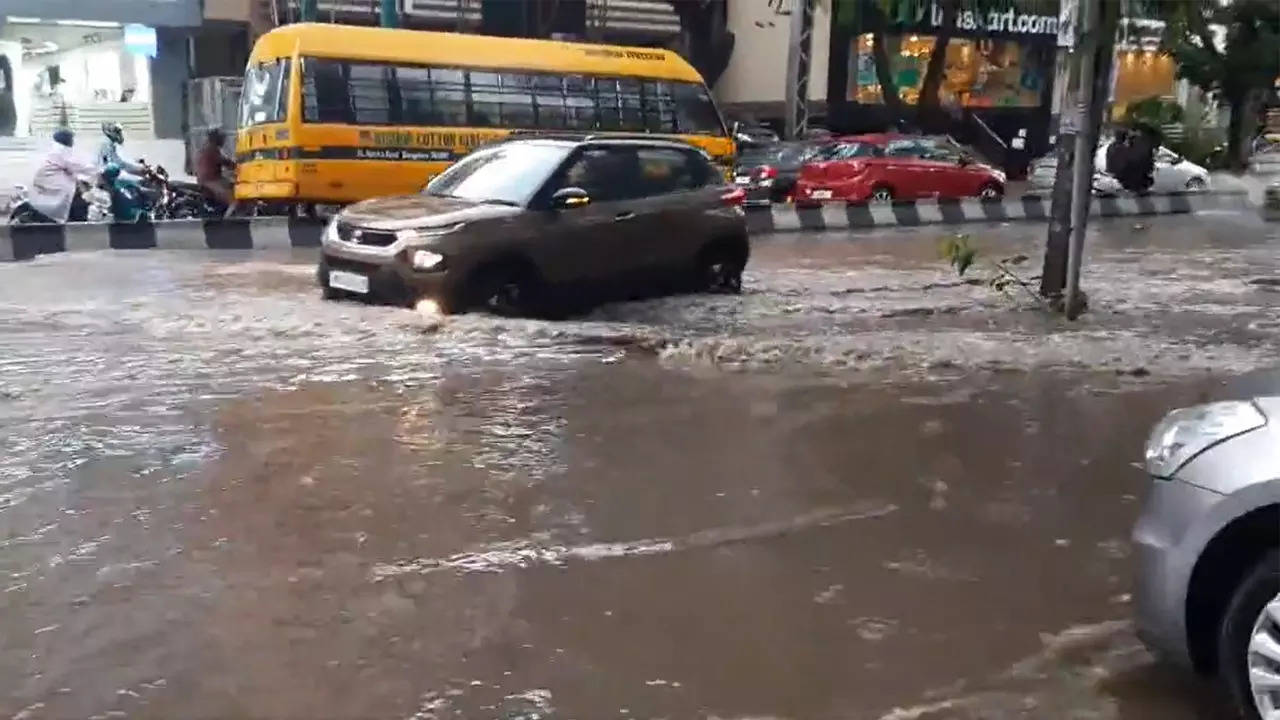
[(79, 64), (997, 79)]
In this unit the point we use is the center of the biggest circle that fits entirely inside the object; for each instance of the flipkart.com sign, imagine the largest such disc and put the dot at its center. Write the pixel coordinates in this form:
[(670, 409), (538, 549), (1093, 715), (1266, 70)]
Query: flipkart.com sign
[(1006, 21)]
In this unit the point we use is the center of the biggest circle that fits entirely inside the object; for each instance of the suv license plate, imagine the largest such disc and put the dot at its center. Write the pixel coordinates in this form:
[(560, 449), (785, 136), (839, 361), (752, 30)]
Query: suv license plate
[(349, 281)]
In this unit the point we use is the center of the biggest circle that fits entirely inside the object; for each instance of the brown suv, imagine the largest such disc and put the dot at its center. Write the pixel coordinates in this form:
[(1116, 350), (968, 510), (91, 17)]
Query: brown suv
[(530, 224)]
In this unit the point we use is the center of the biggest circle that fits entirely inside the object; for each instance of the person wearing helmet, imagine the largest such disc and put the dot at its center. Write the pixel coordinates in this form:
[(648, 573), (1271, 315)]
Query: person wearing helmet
[(210, 162), (109, 151), (128, 202), (54, 192)]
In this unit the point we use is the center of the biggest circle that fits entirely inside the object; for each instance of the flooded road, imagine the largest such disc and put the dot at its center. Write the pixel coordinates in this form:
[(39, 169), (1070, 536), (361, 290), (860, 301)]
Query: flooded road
[(863, 489)]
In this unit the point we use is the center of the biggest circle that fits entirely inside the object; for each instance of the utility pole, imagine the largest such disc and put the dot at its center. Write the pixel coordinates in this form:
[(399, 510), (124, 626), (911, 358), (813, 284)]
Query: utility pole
[(389, 14), (799, 55), (1079, 123), (310, 10)]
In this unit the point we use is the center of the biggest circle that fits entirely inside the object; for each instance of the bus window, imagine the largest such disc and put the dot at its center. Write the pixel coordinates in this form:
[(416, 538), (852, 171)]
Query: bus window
[(579, 103), (629, 101), (695, 113), (501, 100), (414, 86), (659, 107), (609, 110), (548, 99), (449, 96), (369, 88), (265, 98), (325, 96)]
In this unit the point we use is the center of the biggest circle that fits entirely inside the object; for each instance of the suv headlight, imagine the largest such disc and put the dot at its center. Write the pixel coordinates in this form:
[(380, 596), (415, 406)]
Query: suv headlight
[(426, 260), (331, 230), (1184, 434)]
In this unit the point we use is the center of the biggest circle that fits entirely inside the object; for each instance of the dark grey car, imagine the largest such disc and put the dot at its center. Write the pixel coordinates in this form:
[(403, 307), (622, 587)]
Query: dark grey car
[(533, 224)]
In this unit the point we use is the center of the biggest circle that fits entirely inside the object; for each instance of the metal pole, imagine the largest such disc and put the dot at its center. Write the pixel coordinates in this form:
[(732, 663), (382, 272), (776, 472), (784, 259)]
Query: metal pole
[(1082, 176), (310, 10), (798, 61), (389, 14)]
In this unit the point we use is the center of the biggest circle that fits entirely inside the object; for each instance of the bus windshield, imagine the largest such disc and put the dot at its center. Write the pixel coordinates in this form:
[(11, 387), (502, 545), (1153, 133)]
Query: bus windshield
[(265, 97)]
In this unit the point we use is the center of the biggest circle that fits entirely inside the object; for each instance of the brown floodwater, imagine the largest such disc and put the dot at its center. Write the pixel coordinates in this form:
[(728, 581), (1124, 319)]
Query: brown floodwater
[(861, 490)]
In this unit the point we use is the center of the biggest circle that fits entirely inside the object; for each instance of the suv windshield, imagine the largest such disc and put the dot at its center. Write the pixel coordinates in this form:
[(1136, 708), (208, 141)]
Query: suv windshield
[(508, 174)]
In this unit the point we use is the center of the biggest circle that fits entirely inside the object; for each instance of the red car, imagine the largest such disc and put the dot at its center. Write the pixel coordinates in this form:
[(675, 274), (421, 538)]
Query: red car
[(882, 168)]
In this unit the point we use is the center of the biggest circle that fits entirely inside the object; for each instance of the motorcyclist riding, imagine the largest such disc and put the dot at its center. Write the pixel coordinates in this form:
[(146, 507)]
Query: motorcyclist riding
[(128, 203), (109, 151), (210, 162), (54, 192)]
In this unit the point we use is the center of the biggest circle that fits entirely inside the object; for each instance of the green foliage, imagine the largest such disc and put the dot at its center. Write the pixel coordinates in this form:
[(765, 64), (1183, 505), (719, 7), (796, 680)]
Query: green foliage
[(955, 249), (1201, 146), (961, 255), (1155, 111), (1251, 52)]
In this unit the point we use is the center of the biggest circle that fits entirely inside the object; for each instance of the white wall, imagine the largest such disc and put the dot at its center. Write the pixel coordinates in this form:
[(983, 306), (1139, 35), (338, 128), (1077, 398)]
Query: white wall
[(758, 68)]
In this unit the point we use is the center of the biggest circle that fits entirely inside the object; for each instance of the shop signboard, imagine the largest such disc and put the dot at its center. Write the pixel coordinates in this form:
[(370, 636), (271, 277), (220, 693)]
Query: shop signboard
[(163, 13), (1008, 21)]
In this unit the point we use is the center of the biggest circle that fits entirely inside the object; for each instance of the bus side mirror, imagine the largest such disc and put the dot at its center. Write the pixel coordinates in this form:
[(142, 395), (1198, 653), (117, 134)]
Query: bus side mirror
[(569, 198)]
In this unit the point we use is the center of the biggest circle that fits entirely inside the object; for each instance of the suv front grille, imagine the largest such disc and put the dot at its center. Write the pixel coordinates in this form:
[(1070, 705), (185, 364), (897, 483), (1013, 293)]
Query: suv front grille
[(361, 236)]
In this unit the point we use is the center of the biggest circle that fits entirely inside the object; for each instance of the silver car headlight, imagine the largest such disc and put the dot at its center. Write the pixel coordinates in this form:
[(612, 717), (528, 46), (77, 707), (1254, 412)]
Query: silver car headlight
[(1184, 434), (331, 230)]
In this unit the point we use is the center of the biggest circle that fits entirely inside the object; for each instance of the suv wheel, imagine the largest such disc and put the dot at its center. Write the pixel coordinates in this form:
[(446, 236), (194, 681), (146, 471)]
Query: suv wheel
[(720, 268), (507, 289), (1249, 641)]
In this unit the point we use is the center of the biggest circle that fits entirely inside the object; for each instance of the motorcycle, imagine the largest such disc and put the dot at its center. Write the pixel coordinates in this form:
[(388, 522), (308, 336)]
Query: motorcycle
[(178, 200)]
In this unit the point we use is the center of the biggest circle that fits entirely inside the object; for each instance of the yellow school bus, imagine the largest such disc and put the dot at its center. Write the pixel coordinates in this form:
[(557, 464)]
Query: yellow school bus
[(339, 113)]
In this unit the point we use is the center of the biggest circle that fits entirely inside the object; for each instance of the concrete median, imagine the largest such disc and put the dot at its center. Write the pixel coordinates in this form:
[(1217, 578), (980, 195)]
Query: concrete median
[(839, 216), (23, 242)]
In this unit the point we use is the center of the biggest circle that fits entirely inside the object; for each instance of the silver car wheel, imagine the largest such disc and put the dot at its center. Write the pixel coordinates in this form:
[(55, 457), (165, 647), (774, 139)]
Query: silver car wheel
[(1264, 661)]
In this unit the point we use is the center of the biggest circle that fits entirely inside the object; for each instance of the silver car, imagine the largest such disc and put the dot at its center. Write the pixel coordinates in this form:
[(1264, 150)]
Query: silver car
[(1208, 547)]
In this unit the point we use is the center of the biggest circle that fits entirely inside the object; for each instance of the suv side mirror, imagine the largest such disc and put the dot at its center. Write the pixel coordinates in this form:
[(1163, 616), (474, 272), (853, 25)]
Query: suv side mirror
[(570, 197)]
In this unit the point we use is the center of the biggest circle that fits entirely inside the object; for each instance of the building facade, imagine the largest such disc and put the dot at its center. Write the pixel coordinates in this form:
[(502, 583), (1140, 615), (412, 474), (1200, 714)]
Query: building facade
[(997, 84), (74, 63), (754, 85)]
